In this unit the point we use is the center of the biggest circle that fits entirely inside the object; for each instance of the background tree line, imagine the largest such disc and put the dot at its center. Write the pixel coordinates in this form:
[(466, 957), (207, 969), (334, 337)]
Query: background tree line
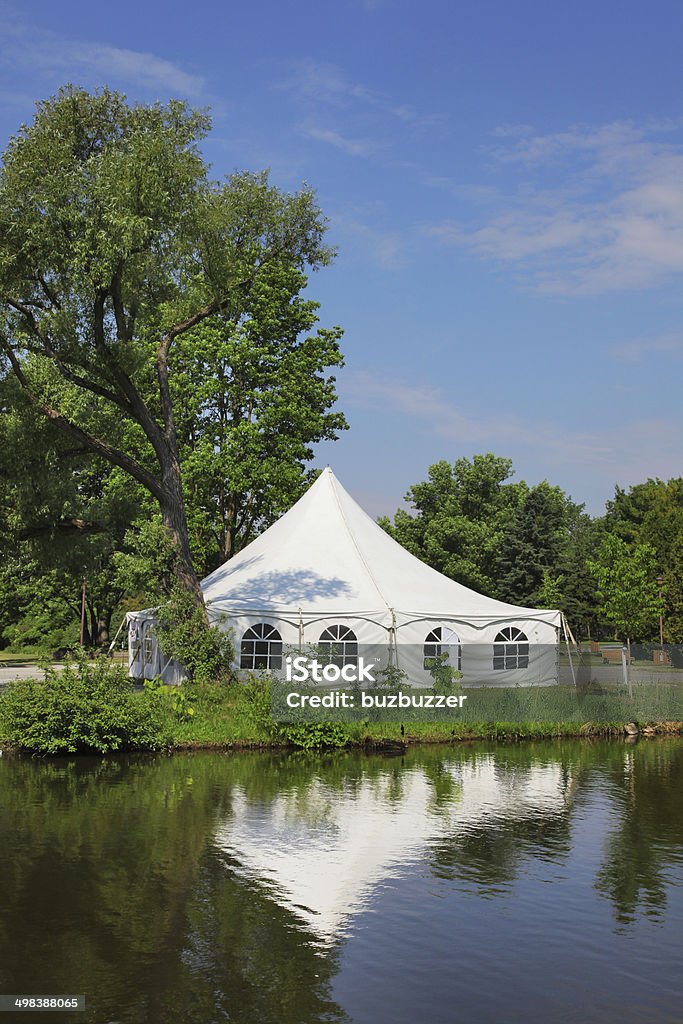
[(68, 516), (535, 546)]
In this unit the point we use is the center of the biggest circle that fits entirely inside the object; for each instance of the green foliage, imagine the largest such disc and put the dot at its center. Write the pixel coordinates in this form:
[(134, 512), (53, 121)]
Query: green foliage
[(550, 593), (181, 701), (205, 651), (253, 395), (254, 708), (445, 678), (144, 564), (461, 516), (627, 586), (254, 702), (65, 513), (183, 705), (392, 676), (315, 735), (472, 524), (577, 589), (90, 706), (652, 513), (114, 243), (534, 545), (672, 593)]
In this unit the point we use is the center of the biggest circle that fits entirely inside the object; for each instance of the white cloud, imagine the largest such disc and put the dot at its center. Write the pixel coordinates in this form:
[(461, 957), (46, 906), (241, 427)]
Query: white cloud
[(326, 83), (24, 47), (144, 69), (387, 249), (632, 450), (354, 147), (348, 114), (638, 349), (582, 211)]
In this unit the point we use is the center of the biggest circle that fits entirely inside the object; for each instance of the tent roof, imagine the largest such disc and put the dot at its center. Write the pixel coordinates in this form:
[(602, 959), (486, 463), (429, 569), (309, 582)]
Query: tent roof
[(326, 555)]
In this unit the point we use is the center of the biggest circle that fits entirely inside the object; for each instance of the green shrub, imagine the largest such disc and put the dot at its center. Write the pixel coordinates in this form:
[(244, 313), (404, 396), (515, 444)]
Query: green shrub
[(446, 679), (89, 707), (313, 735), (392, 675), (254, 702), (255, 708), (205, 651)]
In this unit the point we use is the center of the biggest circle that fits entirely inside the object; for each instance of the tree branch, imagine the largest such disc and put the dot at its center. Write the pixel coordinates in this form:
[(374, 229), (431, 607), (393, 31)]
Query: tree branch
[(49, 293), (78, 526), (137, 406), (92, 443), (67, 373)]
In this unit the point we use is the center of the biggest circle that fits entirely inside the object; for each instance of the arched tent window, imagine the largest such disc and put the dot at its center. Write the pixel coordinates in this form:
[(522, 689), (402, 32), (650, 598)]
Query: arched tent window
[(339, 646), (261, 647), (441, 641), (511, 649)]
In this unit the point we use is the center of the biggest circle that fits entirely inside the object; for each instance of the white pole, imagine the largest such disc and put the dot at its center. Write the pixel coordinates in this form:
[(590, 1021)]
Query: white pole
[(565, 627)]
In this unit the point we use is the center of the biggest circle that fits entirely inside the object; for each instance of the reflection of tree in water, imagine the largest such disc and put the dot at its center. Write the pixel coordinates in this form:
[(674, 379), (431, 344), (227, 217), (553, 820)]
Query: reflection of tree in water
[(112, 884), (648, 779), (489, 851), (645, 784), (106, 869), (256, 961)]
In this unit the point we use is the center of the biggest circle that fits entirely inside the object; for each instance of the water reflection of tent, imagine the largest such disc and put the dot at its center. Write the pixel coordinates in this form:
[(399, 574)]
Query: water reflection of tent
[(323, 852)]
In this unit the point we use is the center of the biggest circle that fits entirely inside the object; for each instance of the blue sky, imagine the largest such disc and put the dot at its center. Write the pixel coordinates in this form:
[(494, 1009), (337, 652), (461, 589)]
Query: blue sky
[(504, 184)]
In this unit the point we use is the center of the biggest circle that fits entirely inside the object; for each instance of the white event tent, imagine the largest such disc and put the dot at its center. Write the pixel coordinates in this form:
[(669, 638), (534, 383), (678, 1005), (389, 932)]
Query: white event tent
[(326, 573)]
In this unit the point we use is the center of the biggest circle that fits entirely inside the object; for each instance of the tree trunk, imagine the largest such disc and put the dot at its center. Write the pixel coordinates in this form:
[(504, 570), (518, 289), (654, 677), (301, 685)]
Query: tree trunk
[(91, 625), (175, 521), (103, 624), (229, 516)]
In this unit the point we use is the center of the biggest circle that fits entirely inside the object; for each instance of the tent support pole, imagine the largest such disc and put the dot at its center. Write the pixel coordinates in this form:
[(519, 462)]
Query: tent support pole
[(124, 620), (566, 629)]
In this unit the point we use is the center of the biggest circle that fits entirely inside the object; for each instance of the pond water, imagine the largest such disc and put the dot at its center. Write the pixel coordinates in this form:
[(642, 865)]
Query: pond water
[(529, 883)]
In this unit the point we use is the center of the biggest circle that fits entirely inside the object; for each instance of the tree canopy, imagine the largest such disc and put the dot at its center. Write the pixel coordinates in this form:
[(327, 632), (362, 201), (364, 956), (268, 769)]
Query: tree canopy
[(115, 244), (627, 586)]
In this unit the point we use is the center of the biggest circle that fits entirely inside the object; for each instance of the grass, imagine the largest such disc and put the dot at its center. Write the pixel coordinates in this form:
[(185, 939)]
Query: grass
[(24, 657), (240, 716)]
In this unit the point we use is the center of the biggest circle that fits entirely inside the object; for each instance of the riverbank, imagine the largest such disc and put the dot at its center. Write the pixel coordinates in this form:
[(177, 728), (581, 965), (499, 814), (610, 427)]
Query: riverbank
[(230, 735), (92, 709), (243, 717), (242, 720)]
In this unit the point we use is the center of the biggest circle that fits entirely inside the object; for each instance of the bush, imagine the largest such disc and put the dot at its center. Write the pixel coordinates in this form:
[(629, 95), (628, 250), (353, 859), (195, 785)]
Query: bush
[(446, 679), (205, 651), (314, 735), (254, 699), (89, 707)]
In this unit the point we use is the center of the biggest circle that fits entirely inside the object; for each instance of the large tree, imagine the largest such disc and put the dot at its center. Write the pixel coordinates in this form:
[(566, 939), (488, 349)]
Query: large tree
[(535, 546), (461, 515), (652, 513), (627, 587), (254, 395), (114, 244)]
